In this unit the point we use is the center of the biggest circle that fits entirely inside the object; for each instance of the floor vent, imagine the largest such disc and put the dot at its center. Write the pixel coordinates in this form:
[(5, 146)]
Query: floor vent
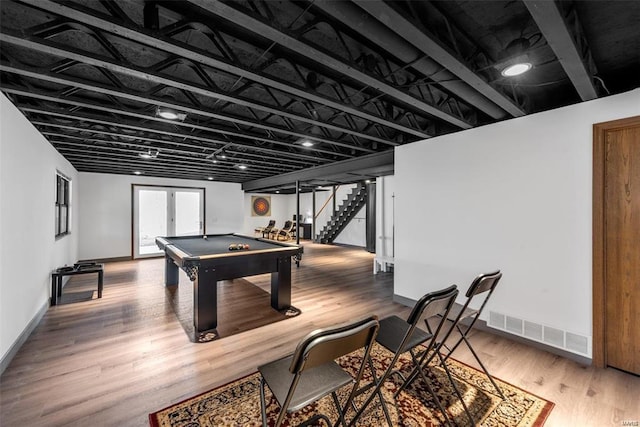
[(568, 341)]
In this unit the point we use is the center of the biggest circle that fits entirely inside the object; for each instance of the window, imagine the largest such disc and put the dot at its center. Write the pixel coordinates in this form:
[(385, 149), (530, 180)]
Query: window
[(63, 187)]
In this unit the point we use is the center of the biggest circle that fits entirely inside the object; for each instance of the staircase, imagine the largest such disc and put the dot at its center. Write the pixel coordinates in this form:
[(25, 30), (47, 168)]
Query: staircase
[(345, 213)]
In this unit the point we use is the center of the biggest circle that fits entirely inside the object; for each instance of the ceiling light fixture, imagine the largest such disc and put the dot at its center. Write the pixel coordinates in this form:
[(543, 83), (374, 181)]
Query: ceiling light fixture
[(515, 58), (307, 143), (516, 69), (210, 178), (170, 114), (137, 173), (243, 167), (149, 154)]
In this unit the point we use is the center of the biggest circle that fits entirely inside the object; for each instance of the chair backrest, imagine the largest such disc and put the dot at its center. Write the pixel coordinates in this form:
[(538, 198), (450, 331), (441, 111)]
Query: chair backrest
[(325, 345), (272, 223), (483, 283), (432, 304), (288, 224)]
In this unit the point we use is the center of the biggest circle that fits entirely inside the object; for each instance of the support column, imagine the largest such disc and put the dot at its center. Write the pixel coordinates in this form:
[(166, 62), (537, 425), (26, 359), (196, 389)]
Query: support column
[(313, 216), (297, 224), (371, 218)]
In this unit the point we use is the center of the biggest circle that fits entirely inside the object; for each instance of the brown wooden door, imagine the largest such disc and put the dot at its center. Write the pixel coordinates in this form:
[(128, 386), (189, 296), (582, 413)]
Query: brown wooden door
[(622, 248)]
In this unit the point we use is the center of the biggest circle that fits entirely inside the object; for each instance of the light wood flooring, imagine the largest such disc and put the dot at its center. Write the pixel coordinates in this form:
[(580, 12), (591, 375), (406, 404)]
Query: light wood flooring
[(112, 361)]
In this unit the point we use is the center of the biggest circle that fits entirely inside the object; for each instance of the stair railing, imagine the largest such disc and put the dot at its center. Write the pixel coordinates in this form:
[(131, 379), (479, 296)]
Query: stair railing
[(333, 193)]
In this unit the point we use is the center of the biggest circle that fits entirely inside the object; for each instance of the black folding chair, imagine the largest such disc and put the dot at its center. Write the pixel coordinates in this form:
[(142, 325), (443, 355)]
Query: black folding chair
[(481, 288), (311, 372), (401, 336)]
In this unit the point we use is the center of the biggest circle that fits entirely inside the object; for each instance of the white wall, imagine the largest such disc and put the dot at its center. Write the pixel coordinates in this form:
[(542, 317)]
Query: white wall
[(515, 196), (106, 212), (28, 248)]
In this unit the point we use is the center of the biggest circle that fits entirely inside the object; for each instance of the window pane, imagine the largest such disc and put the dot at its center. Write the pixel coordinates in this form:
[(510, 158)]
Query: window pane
[(64, 224), (57, 220), (58, 189)]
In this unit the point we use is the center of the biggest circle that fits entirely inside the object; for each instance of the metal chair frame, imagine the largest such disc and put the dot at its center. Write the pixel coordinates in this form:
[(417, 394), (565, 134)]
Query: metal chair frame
[(391, 328), (483, 284), (295, 385)]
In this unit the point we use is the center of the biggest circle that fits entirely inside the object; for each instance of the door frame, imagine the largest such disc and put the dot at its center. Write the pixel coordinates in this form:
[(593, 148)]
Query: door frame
[(599, 354), (134, 185)]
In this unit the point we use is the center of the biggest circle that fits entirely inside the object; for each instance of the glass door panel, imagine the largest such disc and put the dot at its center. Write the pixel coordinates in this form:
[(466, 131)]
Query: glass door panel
[(164, 211), (188, 213), (152, 221)]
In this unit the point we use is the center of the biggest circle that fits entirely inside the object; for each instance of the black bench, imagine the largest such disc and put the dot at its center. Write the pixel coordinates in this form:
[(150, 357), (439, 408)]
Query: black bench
[(58, 274)]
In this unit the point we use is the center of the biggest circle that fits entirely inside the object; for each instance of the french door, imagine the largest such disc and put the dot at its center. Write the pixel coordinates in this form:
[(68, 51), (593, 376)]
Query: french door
[(164, 211)]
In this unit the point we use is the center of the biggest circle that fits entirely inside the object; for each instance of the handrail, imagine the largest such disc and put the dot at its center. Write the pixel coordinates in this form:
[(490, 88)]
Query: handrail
[(325, 203)]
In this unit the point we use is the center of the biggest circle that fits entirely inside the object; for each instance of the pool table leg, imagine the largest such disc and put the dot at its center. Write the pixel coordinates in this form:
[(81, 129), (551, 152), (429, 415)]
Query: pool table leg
[(170, 272), (205, 302), (281, 285)]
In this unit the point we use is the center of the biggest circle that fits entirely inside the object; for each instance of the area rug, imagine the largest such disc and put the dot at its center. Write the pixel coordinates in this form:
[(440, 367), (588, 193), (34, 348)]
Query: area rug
[(238, 403)]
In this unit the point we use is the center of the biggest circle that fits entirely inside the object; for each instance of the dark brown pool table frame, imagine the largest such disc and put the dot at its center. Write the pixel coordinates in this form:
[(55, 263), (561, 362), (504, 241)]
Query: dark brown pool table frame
[(206, 270)]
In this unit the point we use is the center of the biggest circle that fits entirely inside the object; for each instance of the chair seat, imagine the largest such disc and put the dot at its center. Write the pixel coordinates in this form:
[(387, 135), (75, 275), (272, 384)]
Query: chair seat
[(318, 381), (457, 308), (393, 330)]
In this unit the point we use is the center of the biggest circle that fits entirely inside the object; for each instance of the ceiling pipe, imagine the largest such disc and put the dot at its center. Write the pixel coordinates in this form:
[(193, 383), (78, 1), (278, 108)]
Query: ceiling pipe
[(356, 18)]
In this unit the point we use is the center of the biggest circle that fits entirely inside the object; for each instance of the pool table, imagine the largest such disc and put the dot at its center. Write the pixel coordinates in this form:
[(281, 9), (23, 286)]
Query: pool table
[(207, 259)]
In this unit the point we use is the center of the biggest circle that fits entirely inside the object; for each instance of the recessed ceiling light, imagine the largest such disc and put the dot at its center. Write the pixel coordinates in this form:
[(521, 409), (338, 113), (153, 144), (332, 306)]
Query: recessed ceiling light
[(277, 191), (210, 178), (222, 156), (307, 143), (242, 167), (137, 173), (516, 69)]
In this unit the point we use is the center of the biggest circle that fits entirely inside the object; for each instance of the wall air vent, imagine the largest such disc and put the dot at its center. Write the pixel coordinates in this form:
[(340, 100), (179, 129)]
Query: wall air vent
[(569, 341)]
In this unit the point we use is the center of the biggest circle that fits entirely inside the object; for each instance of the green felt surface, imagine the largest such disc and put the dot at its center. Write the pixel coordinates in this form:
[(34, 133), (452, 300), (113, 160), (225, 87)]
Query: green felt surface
[(218, 244)]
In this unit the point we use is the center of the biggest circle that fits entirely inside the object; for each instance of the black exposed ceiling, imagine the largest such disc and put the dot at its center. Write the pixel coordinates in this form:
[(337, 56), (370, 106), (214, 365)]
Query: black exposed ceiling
[(257, 78)]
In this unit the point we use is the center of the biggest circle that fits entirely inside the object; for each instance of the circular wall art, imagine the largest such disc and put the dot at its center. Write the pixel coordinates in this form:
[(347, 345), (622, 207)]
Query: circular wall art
[(260, 205)]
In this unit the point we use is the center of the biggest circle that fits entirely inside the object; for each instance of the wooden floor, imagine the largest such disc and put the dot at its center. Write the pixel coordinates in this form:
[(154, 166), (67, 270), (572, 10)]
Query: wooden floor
[(110, 362)]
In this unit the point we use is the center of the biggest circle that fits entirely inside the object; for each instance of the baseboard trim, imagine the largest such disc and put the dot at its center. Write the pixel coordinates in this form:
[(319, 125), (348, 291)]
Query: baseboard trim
[(103, 260), (404, 300), (22, 338), (482, 326)]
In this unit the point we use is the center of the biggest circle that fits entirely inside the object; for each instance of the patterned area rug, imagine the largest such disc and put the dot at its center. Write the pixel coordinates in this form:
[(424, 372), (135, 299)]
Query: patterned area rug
[(238, 403)]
